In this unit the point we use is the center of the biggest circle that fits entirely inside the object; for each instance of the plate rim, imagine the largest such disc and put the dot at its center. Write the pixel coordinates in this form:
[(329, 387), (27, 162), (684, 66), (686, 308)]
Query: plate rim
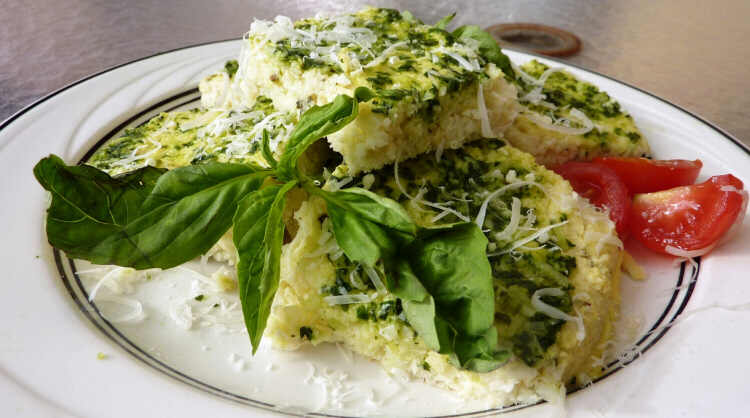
[(8, 122)]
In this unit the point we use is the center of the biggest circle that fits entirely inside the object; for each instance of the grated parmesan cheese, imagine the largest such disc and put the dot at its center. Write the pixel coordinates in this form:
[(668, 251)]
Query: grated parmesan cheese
[(347, 299)]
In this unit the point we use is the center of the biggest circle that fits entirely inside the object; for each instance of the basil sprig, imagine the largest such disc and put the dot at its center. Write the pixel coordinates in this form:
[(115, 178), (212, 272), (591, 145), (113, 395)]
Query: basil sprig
[(152, 218)]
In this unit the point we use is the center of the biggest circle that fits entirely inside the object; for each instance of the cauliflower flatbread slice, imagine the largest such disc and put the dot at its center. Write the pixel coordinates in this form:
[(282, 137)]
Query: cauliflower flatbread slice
[(566, 119), (196, 136), (555, 274), (434, 90)]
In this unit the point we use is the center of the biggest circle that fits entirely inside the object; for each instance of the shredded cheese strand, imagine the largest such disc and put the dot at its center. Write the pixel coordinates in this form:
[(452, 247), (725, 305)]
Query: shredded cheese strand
[(347, 299), (375, 279), (463, 62), (537, 119), (137, 308), (515, 219), (524, 75), (548, 310), (483, 209), (201, 120), (486, 128), (527, 239), (388, 51), (356, 280)]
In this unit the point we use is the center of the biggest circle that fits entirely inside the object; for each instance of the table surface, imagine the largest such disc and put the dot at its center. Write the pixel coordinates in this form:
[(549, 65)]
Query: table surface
[(694, 53)]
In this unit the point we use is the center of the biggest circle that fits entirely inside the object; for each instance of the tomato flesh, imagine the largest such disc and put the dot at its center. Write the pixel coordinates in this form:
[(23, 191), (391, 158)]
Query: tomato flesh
[(642, 175), (691, 217), (603, 187)]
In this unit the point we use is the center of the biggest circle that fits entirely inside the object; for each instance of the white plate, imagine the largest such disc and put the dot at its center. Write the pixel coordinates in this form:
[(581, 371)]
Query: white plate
[(50, 335)]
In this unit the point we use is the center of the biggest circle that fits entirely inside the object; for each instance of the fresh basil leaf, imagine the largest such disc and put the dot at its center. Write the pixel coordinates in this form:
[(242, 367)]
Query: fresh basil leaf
[(452, 308), (478, 354), (265, 150), (172, 233), (418, 305), (363, 241), (187, 211), (445, 286), (184, 182), (443, 23), (451, 262), (404, 284), (487, 47), (316, 123), (87, 204), (370, 206), (258, 236)]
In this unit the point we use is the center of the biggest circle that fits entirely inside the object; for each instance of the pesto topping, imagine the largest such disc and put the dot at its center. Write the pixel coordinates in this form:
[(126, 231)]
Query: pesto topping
[(461, 181), (231, 67), (561, 93), (350, 280), (379, 311), (391, 53), (195, 136), (306, 332)]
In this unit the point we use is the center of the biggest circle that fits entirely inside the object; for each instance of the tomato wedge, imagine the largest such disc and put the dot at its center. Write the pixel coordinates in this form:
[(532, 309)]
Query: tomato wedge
[(602, 186), (689, 218), (642, 175)]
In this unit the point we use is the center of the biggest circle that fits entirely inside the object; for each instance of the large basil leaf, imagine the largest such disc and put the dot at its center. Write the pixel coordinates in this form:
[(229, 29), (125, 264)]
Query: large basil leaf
[(451, 263), (363, 241), (187, 211), (487, 47), (370, 206), (442, 276), (87, 204), (258, 236), (316, 123), (184, 182)]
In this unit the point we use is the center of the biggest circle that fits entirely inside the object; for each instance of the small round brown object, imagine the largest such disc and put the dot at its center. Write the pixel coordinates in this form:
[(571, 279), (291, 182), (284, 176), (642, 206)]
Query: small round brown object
[(542, 39)]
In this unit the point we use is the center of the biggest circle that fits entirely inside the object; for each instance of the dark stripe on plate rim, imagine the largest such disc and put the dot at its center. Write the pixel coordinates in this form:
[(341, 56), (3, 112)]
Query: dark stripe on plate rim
[(207, 388)]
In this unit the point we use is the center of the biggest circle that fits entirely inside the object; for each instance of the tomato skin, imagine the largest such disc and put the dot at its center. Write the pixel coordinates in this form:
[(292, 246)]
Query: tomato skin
[(603, 187), (642, 175), (688, 218)]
